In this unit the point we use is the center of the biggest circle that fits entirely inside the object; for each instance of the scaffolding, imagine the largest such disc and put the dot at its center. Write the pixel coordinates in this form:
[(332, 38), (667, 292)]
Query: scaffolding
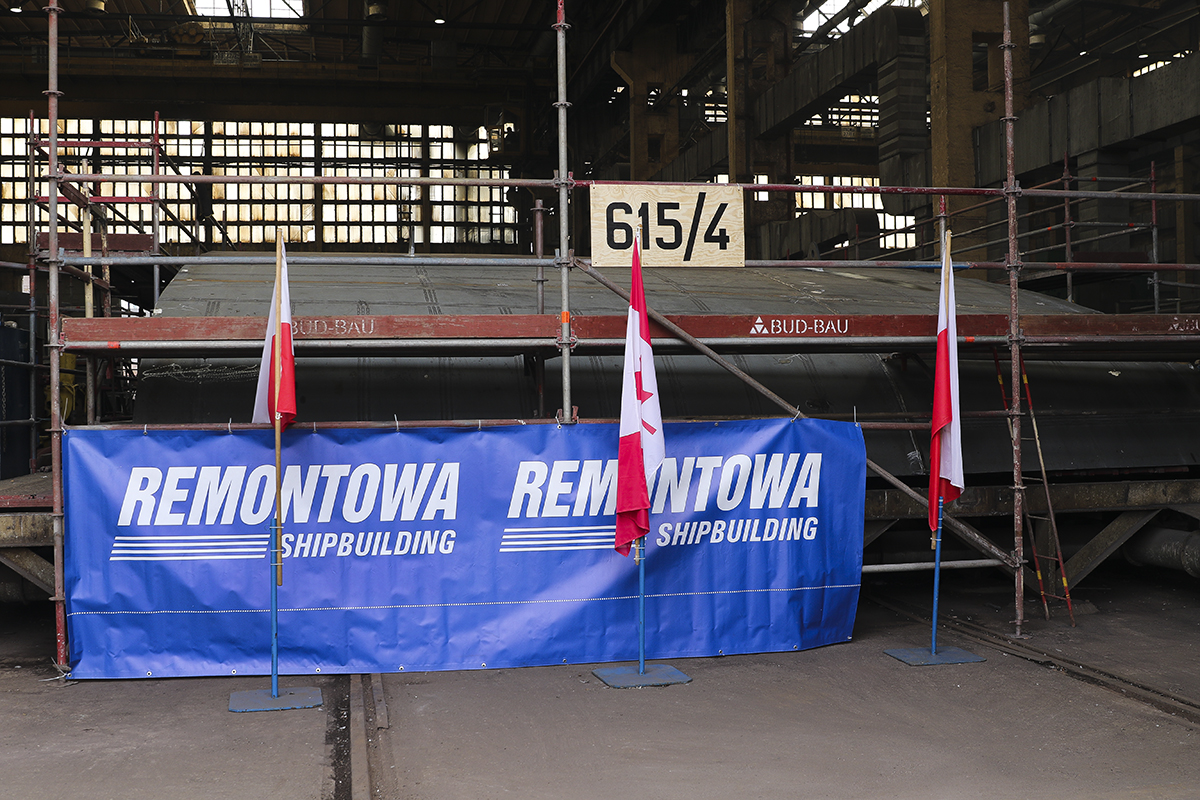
[(107, 336)]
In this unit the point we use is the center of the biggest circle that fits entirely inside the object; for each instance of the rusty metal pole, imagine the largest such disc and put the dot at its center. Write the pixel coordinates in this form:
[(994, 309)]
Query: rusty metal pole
[(1068, 225), (563, 181), (1013, 260), (89, 305), (155, 193), (539, 248), (52, 332), (33, 358), (1154, 276), (31, 239), (539, 251), (106, 271)]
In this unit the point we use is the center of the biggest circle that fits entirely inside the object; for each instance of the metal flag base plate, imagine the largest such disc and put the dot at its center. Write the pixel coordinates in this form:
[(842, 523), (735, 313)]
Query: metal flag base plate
[(922, 657), (261, 699), (630, 678)]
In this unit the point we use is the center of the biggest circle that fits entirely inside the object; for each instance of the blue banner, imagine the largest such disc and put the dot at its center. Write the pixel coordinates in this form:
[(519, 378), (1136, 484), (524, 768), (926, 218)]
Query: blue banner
[(446, 548)]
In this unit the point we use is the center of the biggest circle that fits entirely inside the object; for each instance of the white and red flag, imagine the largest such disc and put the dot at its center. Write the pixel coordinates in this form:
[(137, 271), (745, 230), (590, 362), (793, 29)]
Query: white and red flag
[(945, 444), (642, 446), (276, 393)]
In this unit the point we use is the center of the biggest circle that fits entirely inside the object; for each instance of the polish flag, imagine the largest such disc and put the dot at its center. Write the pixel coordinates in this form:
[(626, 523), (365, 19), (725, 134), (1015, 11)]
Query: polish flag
[(642, 446), (945, 444), (278, 357)]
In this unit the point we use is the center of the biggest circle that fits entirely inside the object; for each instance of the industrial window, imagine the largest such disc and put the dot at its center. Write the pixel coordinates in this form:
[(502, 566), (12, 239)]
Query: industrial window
[(852, 111), (715, 106), (895, 231), (14, 177), (364, 214), (1150, 66), (762, 196), (466, 214), (819, 14), (251, 213), (342, 213), (279, 9)]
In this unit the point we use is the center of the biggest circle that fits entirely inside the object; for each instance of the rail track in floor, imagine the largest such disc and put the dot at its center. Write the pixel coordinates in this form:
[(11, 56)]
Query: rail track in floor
[(1161, 699)]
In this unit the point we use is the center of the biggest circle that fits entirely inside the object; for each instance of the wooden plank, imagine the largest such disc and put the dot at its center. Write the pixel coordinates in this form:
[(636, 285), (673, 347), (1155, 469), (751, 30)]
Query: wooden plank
[(27, 491), (117, 332), (26, 530), (1110, 324), (74, 195), (996, 501), (30, 566), (774, 326), (167, 329), (1105, 543), (117, 242)]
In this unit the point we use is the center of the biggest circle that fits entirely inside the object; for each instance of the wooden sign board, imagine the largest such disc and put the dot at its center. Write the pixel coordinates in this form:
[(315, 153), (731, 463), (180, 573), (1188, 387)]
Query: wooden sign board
[(701, 225)]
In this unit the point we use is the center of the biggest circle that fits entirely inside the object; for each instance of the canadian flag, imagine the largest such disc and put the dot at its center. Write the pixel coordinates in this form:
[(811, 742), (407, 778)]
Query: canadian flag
[(276, 393), (945, 444), (642, 447)]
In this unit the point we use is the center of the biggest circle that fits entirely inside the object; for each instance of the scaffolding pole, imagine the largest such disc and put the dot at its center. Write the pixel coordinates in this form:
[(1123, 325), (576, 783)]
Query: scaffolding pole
[(1011, 190), (563, 182), (53, 326)]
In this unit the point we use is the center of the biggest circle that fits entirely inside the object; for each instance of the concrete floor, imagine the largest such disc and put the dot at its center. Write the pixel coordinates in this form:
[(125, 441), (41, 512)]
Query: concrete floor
[(844, 721), (155, 739)]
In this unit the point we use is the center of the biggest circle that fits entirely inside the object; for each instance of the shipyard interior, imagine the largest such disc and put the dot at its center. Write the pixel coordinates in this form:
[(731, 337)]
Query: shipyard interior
[(442, 174)]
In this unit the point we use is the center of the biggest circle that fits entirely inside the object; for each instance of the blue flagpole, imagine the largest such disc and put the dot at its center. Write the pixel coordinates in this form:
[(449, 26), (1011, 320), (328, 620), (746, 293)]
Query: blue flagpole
[(641, 559), (916, 656), (275, 560), (937, 573), (661, 674), (296, 697)]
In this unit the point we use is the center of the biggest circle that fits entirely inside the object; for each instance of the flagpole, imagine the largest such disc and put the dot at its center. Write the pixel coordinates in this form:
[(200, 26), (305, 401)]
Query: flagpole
[(277, 539), (274, 619), (937, 574), (936, 543), (640, 452), (945, 242), (945, 455), (267, 400), (278, 379), (640, 557)]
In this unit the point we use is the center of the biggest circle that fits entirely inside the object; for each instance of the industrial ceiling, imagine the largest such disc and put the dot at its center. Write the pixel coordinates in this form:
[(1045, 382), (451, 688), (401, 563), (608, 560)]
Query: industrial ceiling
[(393, 61)]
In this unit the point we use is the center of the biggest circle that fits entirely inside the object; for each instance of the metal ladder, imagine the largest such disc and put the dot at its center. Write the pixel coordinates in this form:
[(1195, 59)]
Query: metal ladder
[(1053, 560)]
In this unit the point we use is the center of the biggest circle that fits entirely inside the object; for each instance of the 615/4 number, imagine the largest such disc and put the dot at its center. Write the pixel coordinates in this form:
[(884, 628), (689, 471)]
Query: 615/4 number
[(619, 226)]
